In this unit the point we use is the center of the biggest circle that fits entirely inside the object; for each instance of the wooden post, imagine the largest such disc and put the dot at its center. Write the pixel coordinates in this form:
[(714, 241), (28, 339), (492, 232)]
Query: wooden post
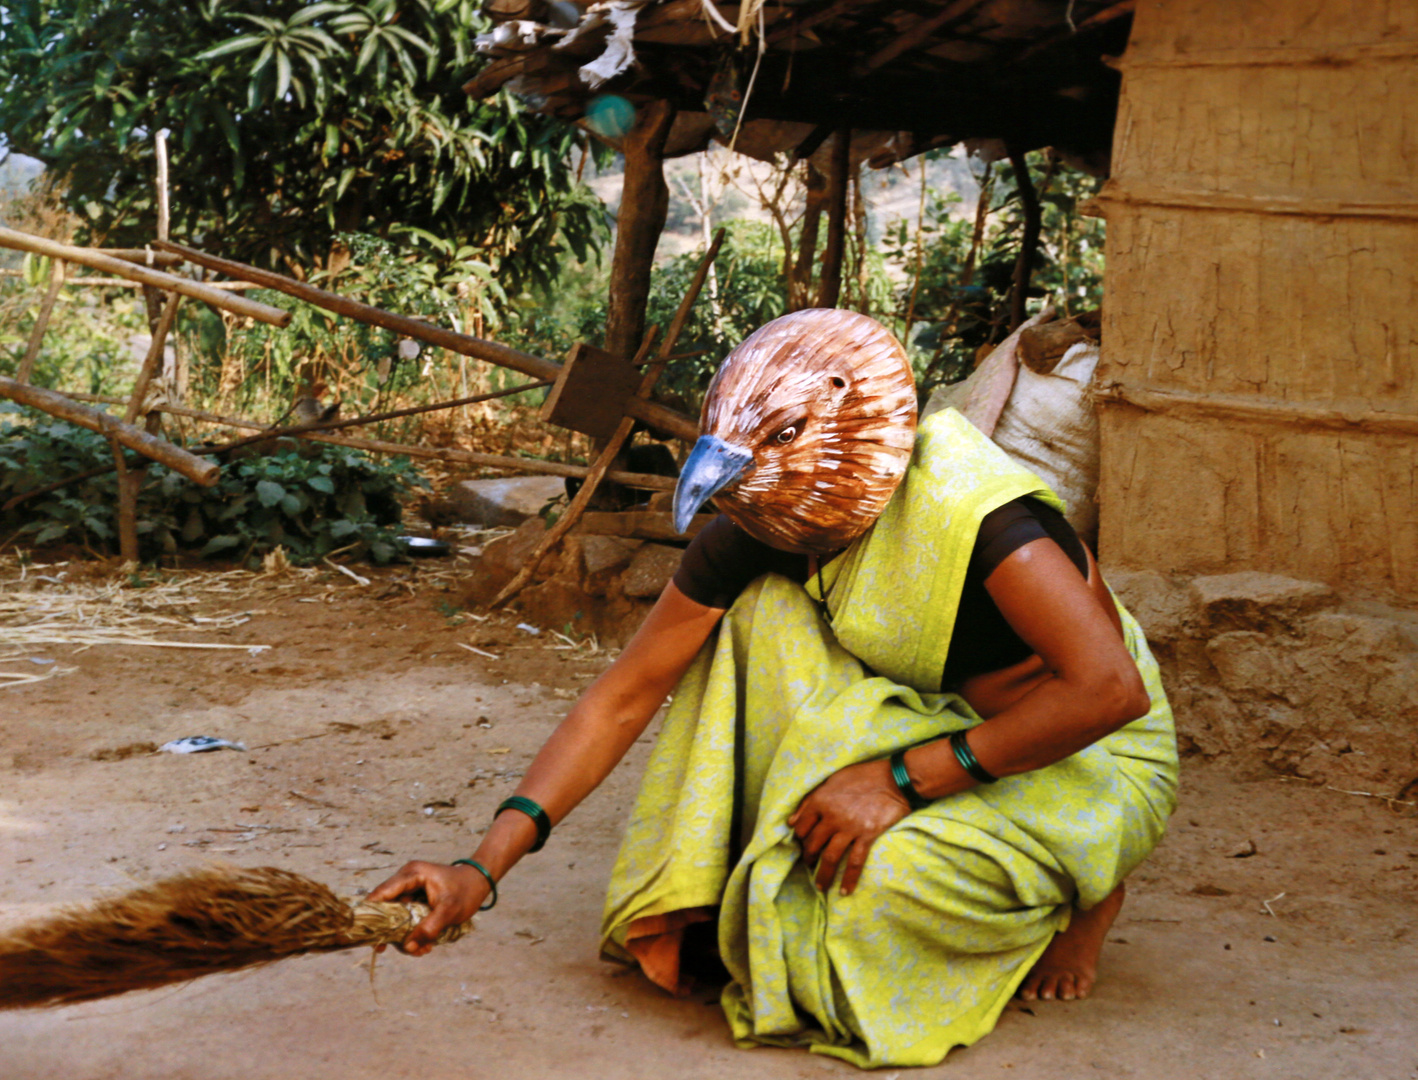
[(130, 480), (154, 358), (1033, 219), (644, 202), (829, 287), (41, 321)]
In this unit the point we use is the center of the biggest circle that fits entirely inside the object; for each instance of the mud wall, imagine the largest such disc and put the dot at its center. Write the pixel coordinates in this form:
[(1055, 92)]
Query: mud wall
[(1260, 336)]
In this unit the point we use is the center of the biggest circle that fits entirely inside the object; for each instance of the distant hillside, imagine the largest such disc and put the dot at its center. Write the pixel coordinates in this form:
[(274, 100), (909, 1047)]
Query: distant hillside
[(890, 194)]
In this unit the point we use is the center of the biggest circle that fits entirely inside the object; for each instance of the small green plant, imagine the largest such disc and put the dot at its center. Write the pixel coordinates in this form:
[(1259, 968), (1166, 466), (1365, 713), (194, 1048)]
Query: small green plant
[(452, 612), (313, 502)]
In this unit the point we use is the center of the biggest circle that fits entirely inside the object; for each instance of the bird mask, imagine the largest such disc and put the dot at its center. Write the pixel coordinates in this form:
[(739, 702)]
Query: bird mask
[(806, 432)]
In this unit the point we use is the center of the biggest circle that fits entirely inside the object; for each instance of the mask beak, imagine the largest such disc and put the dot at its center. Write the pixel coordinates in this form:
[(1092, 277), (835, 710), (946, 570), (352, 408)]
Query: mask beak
[(713, 465)]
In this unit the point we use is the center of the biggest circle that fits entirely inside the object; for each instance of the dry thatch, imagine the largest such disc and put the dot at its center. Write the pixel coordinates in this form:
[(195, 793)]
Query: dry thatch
[(217, 919)]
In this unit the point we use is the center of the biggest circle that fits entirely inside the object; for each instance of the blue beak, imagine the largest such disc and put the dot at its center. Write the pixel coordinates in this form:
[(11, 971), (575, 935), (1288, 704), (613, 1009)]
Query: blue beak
[(712, 466)]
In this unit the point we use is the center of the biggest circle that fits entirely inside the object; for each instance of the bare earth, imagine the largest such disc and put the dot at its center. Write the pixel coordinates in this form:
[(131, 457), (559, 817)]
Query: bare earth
[(366, 721)]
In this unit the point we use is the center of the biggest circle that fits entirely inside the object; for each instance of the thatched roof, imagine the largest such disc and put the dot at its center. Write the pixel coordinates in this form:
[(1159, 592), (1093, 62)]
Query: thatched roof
[(921, 73)]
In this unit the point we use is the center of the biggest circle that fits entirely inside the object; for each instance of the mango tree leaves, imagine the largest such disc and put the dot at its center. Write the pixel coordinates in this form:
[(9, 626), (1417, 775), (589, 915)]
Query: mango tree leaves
[(290, 122)]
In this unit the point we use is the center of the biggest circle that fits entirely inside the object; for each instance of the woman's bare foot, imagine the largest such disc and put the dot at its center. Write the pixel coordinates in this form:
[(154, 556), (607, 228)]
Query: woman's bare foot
[(1069, 966)]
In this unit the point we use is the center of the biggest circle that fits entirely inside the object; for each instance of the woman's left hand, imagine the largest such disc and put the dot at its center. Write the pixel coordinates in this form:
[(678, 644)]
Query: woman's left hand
[(843, 816)]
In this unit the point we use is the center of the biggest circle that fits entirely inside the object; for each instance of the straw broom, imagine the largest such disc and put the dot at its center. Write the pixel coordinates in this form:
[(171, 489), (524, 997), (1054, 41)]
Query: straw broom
[(222, 918)]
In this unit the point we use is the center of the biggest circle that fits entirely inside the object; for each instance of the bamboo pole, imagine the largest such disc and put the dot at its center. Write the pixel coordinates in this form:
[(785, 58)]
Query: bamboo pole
[(646, 481), (41, 321), (601, 467), (237, 305), (142, 256), (652, 413), (174, 457), (153, 359)]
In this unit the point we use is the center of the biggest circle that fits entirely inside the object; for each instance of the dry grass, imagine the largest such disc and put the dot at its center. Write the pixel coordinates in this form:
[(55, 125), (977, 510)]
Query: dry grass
[(200, 923)]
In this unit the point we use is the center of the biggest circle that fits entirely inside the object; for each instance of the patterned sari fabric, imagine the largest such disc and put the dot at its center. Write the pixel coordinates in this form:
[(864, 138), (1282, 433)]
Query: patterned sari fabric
[(957, 900)]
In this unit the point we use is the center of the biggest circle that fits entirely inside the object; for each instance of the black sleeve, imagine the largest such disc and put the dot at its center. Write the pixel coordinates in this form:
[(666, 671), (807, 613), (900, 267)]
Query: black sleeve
[(1007, 529), (722, 560)]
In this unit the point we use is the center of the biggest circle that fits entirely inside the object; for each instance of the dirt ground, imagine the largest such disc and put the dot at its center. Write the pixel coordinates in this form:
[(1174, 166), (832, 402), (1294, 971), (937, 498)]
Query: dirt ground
[(1274, 934)]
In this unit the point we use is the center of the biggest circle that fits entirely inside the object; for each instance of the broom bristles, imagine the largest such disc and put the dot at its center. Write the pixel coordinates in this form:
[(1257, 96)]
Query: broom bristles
[(200, 923)]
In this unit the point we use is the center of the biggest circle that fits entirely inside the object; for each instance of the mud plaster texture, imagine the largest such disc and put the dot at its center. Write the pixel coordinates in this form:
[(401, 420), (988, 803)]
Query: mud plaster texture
[(374, 737), (1286, 673)]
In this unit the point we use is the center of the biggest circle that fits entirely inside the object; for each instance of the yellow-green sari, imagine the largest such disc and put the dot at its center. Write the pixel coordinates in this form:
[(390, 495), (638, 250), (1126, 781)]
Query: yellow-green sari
[(957, 900)]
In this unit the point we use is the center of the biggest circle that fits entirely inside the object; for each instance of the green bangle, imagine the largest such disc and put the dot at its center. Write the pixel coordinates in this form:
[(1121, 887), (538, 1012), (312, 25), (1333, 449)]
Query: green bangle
[(533, 811), (483, 870), (968, 761), (913, 798)]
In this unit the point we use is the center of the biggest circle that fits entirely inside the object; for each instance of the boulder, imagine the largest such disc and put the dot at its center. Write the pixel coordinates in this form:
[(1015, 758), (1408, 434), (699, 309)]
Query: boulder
[(651, 569), (506, 501)]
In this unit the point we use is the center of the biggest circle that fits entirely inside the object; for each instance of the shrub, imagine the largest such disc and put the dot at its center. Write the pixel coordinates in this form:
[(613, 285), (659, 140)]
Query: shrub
[(312, 500)]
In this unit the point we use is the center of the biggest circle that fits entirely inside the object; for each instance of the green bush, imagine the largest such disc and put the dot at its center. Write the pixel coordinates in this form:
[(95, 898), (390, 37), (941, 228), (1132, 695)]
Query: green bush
[(312, 500)]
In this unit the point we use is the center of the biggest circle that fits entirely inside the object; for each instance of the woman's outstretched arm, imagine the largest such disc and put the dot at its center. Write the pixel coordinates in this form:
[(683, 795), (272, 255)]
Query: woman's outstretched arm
[(603, 724)]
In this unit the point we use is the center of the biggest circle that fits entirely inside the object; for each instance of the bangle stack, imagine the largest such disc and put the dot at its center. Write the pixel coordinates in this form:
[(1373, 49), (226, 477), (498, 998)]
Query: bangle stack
[(913, 798), (532, 810), (968, 761)]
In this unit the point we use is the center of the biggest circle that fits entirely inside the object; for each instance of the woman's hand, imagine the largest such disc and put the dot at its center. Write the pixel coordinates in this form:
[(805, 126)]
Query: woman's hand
[(843, 815), (453, 892)]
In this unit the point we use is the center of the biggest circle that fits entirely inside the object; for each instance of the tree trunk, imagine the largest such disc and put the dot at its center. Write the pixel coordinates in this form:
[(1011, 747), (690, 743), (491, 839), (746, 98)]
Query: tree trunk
[(800, 280), (829, 288), (644, 202)]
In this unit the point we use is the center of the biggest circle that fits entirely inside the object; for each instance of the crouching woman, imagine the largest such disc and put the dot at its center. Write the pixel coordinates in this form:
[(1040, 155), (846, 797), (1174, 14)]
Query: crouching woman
[(915, 745)]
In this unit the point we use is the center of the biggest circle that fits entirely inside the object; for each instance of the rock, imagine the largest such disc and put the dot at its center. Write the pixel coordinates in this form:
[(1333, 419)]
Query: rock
[(651, 569), (600, 553), (505, 555), (501, 502), (1250, 600), (1162, 607)]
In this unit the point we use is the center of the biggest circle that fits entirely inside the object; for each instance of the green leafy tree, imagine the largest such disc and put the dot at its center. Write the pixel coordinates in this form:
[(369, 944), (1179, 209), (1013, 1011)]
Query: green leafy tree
[(290, 123)]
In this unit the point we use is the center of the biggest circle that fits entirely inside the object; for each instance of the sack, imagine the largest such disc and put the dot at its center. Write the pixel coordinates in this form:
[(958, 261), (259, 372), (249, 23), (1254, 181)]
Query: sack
[(1050, 427)]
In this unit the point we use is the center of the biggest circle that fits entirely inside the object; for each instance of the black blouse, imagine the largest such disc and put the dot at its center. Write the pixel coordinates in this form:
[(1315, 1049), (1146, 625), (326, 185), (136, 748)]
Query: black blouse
[(723, 559)]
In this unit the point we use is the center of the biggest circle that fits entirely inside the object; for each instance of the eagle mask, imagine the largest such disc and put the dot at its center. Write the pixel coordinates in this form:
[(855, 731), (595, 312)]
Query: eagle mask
[(806, 431)]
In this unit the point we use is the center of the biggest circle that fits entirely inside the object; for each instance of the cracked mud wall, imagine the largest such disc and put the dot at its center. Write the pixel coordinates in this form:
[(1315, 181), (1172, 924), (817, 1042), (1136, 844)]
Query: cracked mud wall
[(1261, 323)]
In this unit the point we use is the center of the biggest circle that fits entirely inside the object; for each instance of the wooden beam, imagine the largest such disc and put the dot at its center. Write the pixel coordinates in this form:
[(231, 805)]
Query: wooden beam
[(658, 416), (918, 33), (163, 260), (237, 305), (174, 457)]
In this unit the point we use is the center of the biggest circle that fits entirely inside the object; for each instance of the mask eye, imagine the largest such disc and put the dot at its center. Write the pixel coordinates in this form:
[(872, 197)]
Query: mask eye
[(787, 435)]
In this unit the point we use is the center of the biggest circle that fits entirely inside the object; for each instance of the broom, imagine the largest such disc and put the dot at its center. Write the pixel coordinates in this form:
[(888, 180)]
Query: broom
[(222, 918)]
